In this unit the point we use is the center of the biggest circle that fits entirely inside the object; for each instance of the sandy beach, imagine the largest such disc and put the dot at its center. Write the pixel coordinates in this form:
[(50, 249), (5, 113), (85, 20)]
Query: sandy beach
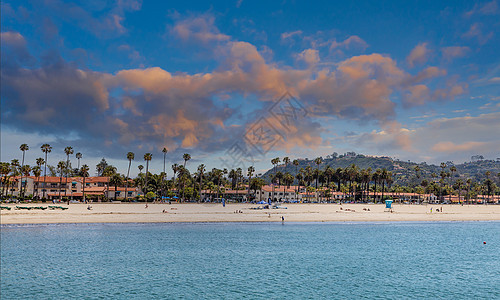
[(125, 213)]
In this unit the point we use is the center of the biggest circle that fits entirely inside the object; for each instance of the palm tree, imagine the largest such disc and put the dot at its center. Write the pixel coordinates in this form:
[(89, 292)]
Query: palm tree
[(130, 158), (318, 162), (296, 164), (61, 165), (275, 162), (25, 170), (250, 172), (68, 150), (452, 170), (186, 157), (84, 171), (116, 180), (78, 155), (39, 162), (23, 148), (164, 151), (201, 170), (147, 158), (141, 167), (37, 171), (175, 169)]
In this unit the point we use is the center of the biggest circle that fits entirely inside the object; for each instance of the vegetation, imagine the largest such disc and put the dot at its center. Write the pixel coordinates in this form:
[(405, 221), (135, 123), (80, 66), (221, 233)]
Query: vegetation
[(358, 177)]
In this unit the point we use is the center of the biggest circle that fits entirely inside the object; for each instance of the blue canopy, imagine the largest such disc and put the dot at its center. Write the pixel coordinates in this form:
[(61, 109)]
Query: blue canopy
[(175, 197), (262, 202)]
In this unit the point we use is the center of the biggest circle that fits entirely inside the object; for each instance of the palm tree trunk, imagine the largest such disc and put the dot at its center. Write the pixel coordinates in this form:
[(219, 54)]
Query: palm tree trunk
[(126, 186)]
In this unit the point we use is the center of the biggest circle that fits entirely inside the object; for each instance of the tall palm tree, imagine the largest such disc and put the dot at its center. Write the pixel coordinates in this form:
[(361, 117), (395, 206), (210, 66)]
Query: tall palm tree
[(250, 172), (140, 167), (164, 151), (318, 162), (453, 169), (61, 165), (23, 148), (275, 162), (147, 158), (84, 171), (68, 150), (25, 170), (296, 164), (130, 158), (186, 157), (201, 170), (39, 162), (78, 155)]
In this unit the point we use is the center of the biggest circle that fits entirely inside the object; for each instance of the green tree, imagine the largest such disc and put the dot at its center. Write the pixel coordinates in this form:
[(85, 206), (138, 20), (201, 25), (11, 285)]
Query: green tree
[(68, 150), (201, 170), (23, 148), (130, 158), (186, 157), (147, 158), (46, 148), (116, 180), (84, 171)]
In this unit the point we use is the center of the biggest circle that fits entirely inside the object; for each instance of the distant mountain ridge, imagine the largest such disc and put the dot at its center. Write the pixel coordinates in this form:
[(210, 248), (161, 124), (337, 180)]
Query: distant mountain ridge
[(403, 171)]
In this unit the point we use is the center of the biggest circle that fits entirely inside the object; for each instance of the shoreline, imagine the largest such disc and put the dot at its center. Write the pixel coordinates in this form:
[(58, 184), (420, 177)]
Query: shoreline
[(243, 213)]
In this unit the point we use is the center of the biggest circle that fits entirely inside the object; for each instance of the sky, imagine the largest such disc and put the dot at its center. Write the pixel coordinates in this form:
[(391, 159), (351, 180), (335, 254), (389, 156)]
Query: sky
[(237, 83)]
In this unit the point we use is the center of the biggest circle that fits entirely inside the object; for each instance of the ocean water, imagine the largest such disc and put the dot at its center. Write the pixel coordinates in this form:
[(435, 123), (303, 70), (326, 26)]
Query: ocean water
[(418, 260)]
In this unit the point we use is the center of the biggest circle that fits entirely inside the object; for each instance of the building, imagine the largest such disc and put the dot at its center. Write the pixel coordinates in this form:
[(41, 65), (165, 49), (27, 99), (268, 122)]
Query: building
[(51, 187)]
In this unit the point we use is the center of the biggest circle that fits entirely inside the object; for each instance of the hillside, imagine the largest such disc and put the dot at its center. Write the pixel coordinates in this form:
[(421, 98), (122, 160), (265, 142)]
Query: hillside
[(403, 171)]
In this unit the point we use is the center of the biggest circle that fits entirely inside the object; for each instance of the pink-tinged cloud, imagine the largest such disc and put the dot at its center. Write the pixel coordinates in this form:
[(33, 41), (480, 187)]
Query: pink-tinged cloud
[(198, 29), (288, 35), (419, 55), (476, 32), (450, 53), (450, 147), (156, 107), (352, 42), (488, 8), (309, 56)]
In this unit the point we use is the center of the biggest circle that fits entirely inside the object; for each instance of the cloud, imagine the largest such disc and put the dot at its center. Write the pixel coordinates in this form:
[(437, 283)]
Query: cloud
[(452, 52), (441, 139), (350, 43), (142, 108), (309, 56), (198, 29), (14, 43), (476, 32), (419, 55), (108, 23), (488, 8), (450, 147), (286, 36)]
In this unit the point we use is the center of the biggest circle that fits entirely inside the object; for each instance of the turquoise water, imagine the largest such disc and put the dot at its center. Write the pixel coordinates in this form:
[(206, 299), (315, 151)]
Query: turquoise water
[(445, 260)]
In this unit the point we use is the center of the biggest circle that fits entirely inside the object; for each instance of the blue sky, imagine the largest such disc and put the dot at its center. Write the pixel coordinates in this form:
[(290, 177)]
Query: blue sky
[(417, 80)]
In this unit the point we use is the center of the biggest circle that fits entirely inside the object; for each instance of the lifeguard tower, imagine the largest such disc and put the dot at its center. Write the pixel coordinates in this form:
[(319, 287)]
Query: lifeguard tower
[(388, 205)]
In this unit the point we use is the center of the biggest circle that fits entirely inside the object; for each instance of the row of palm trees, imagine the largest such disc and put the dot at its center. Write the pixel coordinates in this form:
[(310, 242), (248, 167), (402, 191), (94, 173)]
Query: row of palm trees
[(350, 180)]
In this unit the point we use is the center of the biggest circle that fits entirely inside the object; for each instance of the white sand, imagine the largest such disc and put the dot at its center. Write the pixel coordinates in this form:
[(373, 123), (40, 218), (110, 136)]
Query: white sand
[(124, 213)]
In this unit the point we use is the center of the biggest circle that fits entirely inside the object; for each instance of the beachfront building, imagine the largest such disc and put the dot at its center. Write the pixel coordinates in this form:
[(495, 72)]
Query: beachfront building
[(52, 187)]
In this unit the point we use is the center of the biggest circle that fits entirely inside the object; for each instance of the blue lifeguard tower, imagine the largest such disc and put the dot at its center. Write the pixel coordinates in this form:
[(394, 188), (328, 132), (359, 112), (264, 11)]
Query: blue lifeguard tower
[(388, 205)]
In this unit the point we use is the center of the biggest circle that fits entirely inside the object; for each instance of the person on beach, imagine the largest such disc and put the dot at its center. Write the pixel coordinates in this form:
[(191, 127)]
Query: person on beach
[(146, 205)]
